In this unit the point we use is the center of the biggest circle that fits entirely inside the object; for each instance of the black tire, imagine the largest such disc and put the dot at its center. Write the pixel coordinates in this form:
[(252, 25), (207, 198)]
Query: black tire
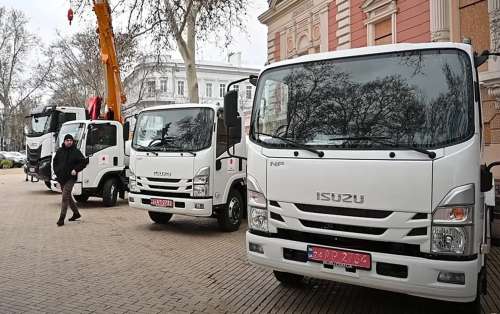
[(288, 279), (81, 198), (160, 218), (110, 191), (230, 217), (48, 185)]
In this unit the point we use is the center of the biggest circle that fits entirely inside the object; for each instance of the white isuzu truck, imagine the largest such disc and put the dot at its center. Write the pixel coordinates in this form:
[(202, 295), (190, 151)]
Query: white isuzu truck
[(364, 167), (184, 161), (41, 129), (103, 143)]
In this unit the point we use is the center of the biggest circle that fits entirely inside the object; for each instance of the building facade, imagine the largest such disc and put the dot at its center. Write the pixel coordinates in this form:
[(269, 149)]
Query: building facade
[(154, 83), (298, 27)]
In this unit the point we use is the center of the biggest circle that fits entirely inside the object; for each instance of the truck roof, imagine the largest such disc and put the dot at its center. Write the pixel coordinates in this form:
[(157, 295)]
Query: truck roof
[(369, 51), (189, 105)]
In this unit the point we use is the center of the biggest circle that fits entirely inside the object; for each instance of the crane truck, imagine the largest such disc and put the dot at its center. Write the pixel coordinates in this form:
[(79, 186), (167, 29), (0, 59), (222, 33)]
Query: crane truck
[(365, 167), (102, 141)]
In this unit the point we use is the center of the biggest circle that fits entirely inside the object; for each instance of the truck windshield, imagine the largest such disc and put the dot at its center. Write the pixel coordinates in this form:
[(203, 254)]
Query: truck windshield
[(420, 98), (174, 130), (37, 125), (75, 129)]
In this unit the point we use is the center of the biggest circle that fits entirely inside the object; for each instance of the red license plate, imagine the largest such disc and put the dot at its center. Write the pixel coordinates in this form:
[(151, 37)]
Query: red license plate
[(161, 202), (339, 257)]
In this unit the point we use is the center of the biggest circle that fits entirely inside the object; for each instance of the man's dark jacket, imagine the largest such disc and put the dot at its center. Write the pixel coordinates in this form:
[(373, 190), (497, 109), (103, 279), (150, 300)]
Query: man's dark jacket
[(66, 160)]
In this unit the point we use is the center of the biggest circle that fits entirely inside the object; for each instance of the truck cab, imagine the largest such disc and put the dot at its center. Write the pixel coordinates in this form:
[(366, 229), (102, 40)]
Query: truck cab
[(182, 162), (365, 167), (41, 129), (103, 143)]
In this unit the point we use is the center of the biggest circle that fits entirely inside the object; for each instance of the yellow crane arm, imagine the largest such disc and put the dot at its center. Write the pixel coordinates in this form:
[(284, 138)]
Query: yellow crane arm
[(115, 97)]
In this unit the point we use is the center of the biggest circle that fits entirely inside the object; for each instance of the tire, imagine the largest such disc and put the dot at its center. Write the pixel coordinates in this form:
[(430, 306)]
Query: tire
[(160, 218), (48, 185), (110, 192), (81, 198), (230, 217), (288, 279)]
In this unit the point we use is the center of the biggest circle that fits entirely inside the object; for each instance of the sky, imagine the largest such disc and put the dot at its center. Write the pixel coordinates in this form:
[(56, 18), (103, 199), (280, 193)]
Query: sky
[(47, 17)]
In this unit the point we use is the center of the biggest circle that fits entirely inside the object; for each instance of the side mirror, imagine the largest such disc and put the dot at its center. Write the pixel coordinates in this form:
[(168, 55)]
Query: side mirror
[(235, 133), (487, 176), (126, 131), (231, 109)]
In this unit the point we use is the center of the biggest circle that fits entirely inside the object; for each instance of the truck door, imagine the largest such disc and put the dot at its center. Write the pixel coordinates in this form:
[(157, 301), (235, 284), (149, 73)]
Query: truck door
[(103, 152), (228, 166)]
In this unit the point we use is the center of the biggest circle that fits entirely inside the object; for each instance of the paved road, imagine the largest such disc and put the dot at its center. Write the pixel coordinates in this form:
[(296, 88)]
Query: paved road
[(115, 260)]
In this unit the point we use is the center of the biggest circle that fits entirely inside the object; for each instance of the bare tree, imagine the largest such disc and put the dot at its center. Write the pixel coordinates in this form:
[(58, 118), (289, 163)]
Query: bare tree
[(183, 22), (78, 72), (19, 80)]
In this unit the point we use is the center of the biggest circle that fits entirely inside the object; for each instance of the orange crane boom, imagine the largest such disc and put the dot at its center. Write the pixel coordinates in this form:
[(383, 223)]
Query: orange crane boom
[(115, 97)]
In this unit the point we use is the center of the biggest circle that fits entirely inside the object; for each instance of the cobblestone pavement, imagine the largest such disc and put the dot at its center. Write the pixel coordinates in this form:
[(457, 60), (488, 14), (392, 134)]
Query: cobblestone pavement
[(115, 260)]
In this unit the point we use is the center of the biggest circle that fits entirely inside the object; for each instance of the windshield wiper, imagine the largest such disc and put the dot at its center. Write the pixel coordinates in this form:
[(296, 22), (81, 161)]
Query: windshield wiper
[(385, 141), (145, 149), (293, 143)]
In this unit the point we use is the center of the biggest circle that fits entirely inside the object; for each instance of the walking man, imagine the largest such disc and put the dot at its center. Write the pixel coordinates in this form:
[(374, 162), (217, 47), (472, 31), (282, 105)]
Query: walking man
[(68, 161)]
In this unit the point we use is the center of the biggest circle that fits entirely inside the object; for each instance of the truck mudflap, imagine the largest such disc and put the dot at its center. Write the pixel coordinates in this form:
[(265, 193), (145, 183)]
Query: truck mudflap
[(415, 276), (198, 207)]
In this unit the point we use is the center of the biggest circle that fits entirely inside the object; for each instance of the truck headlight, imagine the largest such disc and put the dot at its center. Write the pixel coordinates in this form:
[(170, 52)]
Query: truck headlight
[(133, 185), (257, 206), (452, 230), (201, 183)]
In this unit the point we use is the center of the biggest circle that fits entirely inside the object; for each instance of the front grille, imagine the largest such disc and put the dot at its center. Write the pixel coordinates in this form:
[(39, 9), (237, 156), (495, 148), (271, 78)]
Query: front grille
[(344, 228), (165, 194), (276, 217), (33, 155), (344, 211), (417, 232), (161, 187), (349, 243), (420, 216), (164, 180)]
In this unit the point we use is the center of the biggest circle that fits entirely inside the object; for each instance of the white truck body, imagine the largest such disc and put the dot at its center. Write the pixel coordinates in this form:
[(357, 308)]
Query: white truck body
[(41, 132), (103, 143), (164, 176), (374, 199)]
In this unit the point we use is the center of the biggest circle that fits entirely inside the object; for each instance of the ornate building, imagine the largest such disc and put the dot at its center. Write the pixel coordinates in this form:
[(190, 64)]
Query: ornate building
[(298, 27)]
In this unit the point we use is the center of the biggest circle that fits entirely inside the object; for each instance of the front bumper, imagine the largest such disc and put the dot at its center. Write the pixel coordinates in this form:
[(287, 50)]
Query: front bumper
[(40, 170), (183, 206), (421, 280)]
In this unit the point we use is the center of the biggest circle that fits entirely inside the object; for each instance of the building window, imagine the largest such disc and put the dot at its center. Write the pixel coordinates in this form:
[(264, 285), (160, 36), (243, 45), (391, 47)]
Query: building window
[(163, 85), (151, 88), (249, 92), (180, 88), (222, 90), (383, 32), (236, 87), (208, 90), (380, 21)]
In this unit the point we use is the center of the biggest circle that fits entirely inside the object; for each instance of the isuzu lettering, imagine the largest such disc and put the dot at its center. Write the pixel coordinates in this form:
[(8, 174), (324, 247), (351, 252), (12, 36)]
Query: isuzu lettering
[(183, 161), (364, 167)]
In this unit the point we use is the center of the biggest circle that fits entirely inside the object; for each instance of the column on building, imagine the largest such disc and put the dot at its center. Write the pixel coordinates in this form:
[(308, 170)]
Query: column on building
[(493, 83), (440, 20)]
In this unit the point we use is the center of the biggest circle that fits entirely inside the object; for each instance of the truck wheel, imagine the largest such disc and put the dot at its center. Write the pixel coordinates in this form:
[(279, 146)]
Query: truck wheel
[(81, 198), (230, 217), (47, 184), (288, 279), (110, 192), (160, 218)]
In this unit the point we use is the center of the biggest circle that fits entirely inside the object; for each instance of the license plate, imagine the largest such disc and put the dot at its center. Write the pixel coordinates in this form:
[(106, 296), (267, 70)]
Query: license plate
[(161, 202), (32, 169), (339, 257)]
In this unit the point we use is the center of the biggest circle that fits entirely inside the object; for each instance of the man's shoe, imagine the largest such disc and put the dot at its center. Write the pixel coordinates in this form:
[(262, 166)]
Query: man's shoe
[(75, 217), (60, 223)]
